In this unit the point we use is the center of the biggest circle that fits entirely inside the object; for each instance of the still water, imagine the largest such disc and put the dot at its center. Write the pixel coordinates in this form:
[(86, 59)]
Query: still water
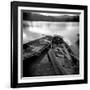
[(37, 29)]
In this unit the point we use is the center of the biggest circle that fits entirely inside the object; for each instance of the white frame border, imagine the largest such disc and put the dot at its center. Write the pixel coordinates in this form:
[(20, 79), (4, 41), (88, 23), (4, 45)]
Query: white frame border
[(51, 78)]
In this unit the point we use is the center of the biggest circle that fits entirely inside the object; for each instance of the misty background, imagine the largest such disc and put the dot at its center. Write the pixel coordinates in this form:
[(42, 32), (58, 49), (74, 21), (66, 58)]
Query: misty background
[(37, 25)]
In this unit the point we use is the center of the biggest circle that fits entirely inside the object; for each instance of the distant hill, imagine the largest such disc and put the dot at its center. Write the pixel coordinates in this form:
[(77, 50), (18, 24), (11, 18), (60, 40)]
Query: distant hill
[(38, 17)]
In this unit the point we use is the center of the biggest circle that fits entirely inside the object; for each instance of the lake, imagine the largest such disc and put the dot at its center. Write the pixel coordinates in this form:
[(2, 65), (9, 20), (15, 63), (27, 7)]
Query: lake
[(36, 29)]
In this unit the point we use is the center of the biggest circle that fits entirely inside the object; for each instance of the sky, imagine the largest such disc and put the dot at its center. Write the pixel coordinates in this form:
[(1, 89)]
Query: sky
[(53, 14)]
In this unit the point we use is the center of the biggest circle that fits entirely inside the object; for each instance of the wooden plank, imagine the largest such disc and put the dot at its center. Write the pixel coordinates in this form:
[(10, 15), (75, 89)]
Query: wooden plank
[(57, 67), (66, 52), (52, 60)]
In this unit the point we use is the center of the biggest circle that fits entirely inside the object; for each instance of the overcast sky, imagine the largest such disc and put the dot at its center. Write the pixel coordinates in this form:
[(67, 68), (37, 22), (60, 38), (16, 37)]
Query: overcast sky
[(53, 14)]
